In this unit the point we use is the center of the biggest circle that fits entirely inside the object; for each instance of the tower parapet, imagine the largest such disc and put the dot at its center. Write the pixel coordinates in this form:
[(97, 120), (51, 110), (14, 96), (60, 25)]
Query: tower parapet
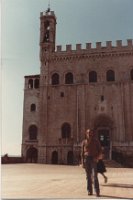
[(98, 48), (47, 13)]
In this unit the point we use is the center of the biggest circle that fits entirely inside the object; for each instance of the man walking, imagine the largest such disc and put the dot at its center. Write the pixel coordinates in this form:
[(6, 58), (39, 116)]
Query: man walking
[(91, 150)]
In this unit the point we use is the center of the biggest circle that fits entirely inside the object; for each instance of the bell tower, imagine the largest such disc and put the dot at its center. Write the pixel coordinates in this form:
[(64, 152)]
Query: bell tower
[(47, 31)]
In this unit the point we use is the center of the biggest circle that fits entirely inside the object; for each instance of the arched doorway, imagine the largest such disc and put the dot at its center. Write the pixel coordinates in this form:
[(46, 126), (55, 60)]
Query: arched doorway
[(103, 125), (70, 158), (54, 157), (32, 155)]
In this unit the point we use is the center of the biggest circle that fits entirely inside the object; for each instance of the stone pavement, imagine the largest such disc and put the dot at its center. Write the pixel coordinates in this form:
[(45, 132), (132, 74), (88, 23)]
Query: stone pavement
[(27, 181)]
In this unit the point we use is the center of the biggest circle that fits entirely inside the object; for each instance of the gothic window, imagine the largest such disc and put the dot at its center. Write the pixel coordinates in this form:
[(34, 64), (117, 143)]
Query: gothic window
[(131, 74), (92, 76), (30, 84), (69, 78), (66, 130), (110, 75), (55, 79), (36, 83), (33, 132), (33, 107)]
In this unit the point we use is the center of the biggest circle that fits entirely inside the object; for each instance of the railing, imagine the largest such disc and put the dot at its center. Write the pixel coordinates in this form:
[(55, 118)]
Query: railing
[(66, 141)]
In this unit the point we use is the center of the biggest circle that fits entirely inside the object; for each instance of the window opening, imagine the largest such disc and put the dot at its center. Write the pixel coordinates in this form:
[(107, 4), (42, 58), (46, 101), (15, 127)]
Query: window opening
[(30, 84), (66, 130), (131, 74), (110, 75), (36, 83), (33, 132), (33, 107), (92, 77), (69, 78), (62, 94), (55, 79)]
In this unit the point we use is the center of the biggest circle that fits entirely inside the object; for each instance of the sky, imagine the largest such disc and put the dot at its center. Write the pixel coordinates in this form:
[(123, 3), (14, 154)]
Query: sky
[(78, 21)]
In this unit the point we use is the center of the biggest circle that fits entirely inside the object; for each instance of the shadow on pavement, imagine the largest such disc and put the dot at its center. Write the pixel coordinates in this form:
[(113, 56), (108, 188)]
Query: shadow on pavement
[(113, 197), (119, 185)]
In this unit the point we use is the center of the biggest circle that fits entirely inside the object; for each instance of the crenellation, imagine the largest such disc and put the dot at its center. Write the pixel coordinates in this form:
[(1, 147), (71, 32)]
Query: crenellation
[(78, 47), (98, 45), (88, 46), (47, 13), (108, 44), (130, 42), (68, 47), (119, 43), (59, 48)]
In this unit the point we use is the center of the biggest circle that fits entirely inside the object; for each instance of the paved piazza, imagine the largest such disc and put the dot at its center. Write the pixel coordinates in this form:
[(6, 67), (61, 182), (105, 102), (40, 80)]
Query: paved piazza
[(60, 181)]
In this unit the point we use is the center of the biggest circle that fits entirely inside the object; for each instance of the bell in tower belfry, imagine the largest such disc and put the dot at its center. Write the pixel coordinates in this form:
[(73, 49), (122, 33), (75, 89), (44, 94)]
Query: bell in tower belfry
[(47, 30)]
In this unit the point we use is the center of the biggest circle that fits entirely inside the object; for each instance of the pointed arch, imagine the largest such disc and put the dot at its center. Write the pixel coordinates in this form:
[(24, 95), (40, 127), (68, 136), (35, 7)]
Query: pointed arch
[(102, 120)]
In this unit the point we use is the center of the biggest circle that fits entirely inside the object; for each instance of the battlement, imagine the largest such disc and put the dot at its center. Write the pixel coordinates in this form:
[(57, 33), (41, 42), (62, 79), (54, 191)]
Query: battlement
[(98, 47), (47, 13)]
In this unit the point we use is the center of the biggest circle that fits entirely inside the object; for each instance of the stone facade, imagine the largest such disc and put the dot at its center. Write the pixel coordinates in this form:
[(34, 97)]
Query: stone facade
[(77, 89)]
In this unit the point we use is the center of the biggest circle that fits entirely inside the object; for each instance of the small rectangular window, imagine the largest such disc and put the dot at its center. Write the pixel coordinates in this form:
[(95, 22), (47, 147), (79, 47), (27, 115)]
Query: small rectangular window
[(62, 94), (102, 98)]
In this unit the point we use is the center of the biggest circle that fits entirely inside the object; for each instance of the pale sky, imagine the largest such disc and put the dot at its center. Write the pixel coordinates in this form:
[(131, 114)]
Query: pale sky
[(78, 21)]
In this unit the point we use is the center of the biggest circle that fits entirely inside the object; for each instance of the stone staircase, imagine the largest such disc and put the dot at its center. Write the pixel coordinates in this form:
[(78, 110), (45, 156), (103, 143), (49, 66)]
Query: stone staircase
[(112, 164)]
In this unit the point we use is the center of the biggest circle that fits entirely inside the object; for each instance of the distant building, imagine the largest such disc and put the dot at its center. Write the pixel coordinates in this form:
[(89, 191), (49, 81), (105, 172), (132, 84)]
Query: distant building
[(76, 90)]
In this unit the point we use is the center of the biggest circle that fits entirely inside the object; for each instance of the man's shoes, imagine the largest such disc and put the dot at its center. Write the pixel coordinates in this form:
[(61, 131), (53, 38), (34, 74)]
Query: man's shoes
[(90, 193), (97, 194)]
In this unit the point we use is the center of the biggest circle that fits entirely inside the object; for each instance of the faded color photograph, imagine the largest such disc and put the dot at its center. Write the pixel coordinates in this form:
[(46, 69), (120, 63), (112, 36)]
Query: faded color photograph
[(67, 99)]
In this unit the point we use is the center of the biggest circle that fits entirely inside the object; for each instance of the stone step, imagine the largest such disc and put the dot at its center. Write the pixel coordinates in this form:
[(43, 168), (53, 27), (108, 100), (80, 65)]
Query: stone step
[(112, 164)]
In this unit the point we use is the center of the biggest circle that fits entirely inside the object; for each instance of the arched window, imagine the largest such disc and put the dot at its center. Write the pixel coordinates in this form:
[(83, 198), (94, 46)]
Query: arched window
[(110, 75), (92, 76), (66, 130), (36, 83), (30, 84), (131, 74), (33, 107), (69, 78), (55, 79), (33, 132)]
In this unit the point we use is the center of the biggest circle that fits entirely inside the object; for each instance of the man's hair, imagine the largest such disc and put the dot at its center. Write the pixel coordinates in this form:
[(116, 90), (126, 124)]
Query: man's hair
[(90, 130)]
